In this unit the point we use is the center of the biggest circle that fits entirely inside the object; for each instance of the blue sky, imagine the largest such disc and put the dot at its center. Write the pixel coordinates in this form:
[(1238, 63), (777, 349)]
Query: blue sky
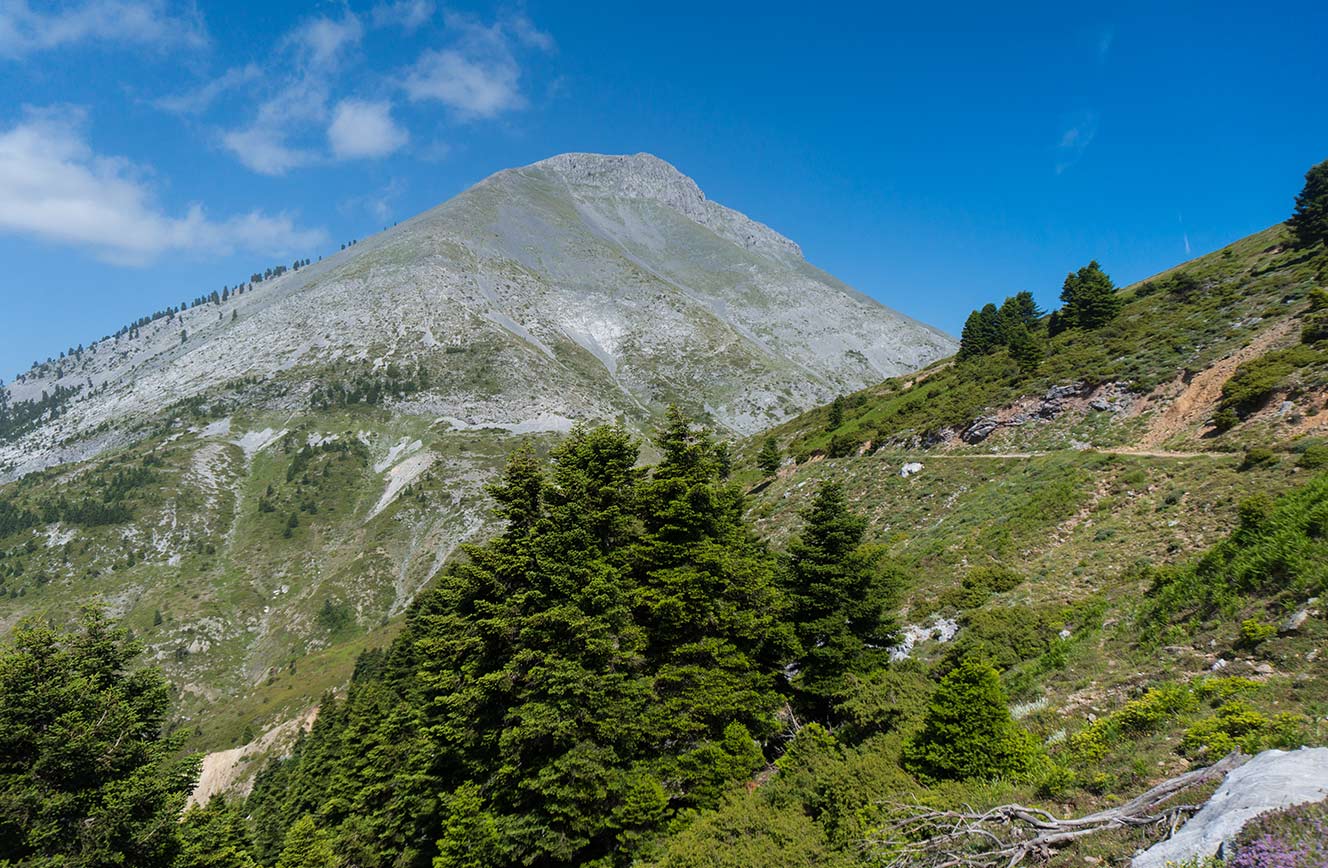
[(935, 158)]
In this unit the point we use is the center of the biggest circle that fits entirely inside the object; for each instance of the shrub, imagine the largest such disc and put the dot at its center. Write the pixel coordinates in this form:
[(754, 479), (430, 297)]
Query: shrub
[(1258, 456), (968, 731), (1314, 457), (1255, 632), (1238, 724)]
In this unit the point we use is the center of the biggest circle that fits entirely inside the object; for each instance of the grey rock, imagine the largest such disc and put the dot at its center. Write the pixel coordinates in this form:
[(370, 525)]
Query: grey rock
[(1056, 393), (980, 430), (1273, 779), (1297, 619), (1100, 404), (910, 469)]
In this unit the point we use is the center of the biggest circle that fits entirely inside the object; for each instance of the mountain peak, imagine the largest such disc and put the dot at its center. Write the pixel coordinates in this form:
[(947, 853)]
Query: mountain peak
[(646, 176)]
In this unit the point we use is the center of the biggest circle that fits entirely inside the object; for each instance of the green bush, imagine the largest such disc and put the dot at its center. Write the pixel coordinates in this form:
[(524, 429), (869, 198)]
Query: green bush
[(1238, 724), (1315, 457), (979, 584), (968, 731), (1258, 456), (1006, 636), (1255, 632)]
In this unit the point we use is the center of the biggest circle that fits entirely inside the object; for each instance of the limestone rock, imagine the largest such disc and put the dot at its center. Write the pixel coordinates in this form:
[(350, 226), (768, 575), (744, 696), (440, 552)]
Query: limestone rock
[(1273, 779)]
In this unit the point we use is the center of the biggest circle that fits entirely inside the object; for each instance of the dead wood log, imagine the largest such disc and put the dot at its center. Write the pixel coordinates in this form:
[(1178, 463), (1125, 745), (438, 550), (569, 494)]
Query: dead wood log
[(1005, 836)]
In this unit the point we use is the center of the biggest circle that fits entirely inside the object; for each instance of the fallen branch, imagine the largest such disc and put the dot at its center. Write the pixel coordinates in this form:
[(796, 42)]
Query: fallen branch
[(1005, 836)]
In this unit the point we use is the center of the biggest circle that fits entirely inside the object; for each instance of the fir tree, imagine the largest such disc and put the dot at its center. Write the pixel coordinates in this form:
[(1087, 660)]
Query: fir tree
[(769, 457), (306, 846), (88, 778), (836, 413), (1090, 298), (840, 599), (1309, 222), (1024, 348), (968, 731)]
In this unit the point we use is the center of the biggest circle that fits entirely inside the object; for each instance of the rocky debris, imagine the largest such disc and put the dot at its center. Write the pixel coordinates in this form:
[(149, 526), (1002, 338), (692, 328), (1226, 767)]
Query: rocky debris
[(1057, 393), (1273, 779), (939, 630), (980, 430), (909, 469), (1285, 407), (1297, 619)]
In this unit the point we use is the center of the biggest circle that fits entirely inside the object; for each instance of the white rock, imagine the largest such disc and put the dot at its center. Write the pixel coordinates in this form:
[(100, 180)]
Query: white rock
[(909, 469), (1273, 779)]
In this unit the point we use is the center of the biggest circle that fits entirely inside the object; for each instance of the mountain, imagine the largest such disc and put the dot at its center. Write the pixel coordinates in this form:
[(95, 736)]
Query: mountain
[(583, 286), (260, 485)]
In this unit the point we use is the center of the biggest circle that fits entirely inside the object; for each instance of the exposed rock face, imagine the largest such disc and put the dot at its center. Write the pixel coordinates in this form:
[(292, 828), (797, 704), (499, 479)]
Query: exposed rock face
[(1273, 779), (580, 287)]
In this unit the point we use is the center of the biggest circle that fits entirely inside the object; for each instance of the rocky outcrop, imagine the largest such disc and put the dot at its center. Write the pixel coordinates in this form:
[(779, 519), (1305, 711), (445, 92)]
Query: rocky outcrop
[(1273, 779)]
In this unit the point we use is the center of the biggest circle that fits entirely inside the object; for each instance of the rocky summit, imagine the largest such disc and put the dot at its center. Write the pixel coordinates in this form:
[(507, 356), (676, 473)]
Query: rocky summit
[(580, 287)]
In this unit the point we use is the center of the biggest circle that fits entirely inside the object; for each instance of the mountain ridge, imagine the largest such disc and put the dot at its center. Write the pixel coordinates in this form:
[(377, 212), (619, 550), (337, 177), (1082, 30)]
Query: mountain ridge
[(610, 279)]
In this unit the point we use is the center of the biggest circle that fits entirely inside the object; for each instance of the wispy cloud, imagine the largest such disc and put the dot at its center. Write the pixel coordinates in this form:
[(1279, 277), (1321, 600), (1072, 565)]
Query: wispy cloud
[(364, 129), (1104, 41), (1077, 133), (478, 76), (312, 55), (24, 31), (406, 14), (200, 99), (54, 187)]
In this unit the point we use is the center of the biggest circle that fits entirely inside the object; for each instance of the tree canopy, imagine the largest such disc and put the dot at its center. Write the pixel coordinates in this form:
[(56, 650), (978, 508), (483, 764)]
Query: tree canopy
[(1309, 222), (86, 775)]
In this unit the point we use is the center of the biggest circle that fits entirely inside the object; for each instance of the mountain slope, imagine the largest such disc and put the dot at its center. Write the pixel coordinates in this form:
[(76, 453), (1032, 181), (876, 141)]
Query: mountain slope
[(582, 286), (264, 496)]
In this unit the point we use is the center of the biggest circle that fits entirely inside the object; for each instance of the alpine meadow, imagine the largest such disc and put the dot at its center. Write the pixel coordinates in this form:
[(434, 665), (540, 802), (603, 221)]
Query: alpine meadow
[(580, 521)]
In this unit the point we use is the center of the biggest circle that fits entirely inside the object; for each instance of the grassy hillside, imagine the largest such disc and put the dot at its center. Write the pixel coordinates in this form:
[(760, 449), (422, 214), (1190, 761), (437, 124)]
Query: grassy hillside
[(1172, 327)]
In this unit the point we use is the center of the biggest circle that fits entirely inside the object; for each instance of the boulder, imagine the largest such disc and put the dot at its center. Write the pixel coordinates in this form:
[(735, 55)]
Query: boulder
[(909, 469), (1273, 779), (1056, 393), (980, 430)]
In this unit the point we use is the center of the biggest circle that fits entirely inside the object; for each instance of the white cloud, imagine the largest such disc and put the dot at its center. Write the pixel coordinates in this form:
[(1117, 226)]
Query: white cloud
[(473, 87), (478, 77), (364, 129), (200, 99), (54, 187), (264, 149), (1077, 133), (321, 42), (137, 22), (406, 14), (313, 53)]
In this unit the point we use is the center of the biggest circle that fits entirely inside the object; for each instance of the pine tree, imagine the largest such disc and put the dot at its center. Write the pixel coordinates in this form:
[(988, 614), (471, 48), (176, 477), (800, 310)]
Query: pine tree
[(88, 778), (968, 731), (840, 599), (1024, 348), (836, 413), (306, 846), (1090, 298), (1309, 222), (982, 333), (769, 458), (1019, 309), (470, 835)]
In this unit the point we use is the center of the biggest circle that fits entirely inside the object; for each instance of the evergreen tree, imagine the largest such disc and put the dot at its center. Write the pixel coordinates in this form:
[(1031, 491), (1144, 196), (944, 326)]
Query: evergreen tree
[(982, 334), (1309, 222), (840, 600), (470, 835), (215, 836), (86, 777), (306, 846), (1090, 298), (836, 413), (1019, 309), (968, 731), (769, 457), (1024, 348)]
